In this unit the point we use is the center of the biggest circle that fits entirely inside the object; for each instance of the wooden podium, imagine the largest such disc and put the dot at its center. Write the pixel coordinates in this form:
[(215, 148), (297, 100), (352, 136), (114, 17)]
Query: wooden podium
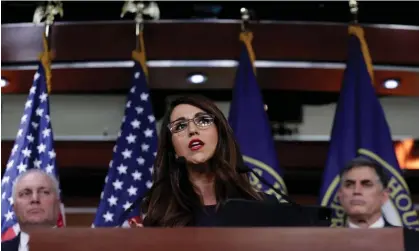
[(217, 239)]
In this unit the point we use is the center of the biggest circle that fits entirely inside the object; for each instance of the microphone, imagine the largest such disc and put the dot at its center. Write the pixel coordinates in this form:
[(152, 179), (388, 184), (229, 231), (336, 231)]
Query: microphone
[(244, 169)]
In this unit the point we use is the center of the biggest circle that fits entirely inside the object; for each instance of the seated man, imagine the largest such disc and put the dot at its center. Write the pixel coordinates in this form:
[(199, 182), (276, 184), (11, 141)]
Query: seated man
[(362, 193), (36, 204)]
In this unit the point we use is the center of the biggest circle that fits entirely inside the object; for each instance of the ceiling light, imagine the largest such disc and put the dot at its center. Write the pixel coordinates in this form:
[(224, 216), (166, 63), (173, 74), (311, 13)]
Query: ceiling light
[(4, 82), (197, 78), (391, 83)]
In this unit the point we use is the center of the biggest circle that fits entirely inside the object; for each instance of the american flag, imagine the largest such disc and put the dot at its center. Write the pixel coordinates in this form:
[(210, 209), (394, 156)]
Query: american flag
[(131, 168), (33, 148)]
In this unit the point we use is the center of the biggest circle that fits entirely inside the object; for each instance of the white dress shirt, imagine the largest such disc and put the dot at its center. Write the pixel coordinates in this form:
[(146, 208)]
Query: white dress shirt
[(24, 240), (378, 224)]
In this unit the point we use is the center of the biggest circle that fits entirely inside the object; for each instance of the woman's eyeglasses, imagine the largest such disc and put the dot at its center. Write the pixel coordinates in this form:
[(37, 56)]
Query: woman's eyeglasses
[(202, 121)]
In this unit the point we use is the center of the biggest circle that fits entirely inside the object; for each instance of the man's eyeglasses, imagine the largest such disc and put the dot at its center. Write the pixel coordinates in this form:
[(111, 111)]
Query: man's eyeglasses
[(201, 121)]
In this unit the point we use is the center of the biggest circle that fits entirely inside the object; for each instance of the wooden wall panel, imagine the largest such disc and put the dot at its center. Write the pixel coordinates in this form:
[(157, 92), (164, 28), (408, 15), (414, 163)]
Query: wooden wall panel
[(72, 154), (206, 40)]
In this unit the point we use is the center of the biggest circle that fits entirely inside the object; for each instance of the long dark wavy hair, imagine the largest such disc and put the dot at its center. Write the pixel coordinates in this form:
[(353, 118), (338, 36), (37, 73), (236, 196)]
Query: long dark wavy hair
[(172, 200)]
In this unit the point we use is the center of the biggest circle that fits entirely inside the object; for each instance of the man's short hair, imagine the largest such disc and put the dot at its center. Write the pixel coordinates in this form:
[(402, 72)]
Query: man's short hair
[(54, 181), (363, 161)]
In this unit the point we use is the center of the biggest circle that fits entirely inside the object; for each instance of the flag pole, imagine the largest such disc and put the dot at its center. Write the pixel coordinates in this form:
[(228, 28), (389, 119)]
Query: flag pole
[(357, 30), (46, 14), (246, 36), (140, 10)]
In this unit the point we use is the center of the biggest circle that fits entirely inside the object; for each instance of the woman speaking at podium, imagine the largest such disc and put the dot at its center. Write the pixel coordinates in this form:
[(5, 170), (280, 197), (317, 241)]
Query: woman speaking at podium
[(195, 167)]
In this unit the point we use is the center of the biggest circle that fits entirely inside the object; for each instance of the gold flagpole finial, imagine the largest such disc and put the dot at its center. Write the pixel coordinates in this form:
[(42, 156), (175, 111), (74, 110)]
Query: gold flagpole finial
[(353, 8), (140, 9), (46, 14)]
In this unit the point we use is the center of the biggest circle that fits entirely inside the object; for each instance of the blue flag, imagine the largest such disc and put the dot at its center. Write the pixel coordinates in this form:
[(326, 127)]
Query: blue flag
[(130, 171), (360, 129), (33, 148), (250, 123)]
